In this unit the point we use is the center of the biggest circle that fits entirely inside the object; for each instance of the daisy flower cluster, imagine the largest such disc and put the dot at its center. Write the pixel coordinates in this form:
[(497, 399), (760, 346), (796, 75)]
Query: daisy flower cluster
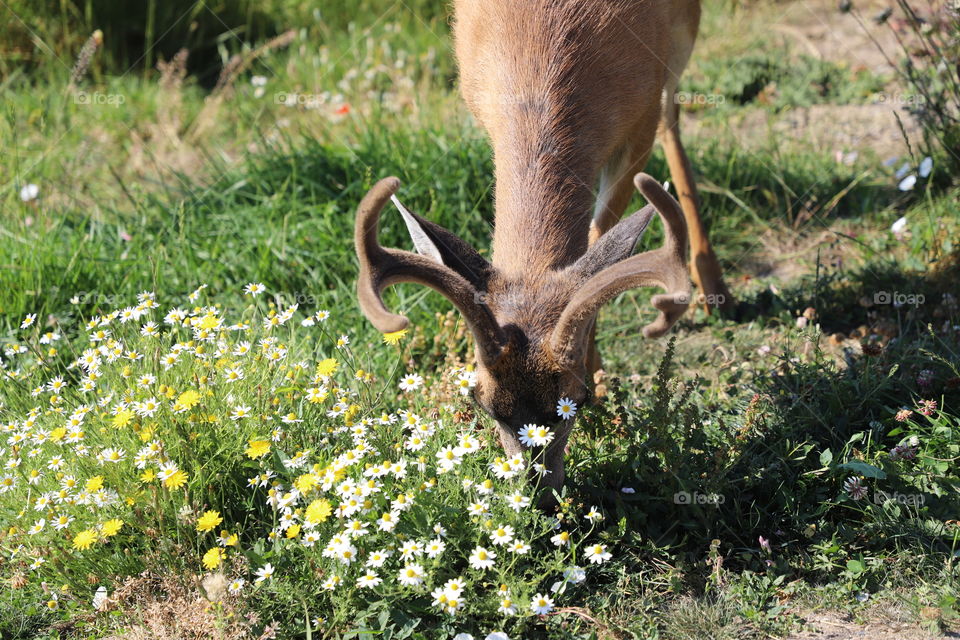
[(257, 446)]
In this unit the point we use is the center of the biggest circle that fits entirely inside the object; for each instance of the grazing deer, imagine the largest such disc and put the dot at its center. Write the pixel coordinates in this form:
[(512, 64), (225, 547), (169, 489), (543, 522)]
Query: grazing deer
[(573, 94)]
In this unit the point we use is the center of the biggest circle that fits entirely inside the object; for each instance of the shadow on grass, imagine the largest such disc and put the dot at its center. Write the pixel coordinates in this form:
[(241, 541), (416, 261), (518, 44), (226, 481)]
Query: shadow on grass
[(771, 455)]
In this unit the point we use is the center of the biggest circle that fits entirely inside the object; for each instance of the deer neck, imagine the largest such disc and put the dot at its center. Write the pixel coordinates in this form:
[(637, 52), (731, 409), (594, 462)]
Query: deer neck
[(544, 189)]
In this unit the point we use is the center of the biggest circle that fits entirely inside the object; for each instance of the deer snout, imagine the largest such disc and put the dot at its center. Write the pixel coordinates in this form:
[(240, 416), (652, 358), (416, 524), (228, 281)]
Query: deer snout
[(509, 438)]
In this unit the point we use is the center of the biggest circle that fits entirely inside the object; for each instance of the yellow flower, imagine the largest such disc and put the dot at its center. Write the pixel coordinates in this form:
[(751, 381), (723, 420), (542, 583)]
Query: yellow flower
[(57, 434), (305, 482), (394, 337), (293, 531), (209, 322), (188, 399), (257, 448), (326, 367), (176, 480), (318, 511), (213, 558), (84, 539), (208, 521), (122, 419), (94, 484), (148, 475), (111, 527)]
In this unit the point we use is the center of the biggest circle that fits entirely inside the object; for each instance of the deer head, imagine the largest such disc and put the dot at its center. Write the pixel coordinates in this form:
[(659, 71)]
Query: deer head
[(531, 331)]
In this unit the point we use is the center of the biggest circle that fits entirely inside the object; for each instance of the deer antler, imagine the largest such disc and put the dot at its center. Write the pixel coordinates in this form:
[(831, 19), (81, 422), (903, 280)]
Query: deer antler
[(665, 267), (381, 267)]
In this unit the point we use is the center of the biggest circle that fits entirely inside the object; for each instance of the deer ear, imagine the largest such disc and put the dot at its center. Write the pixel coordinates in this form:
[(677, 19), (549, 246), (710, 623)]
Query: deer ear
[(446, 264), (446, 248), (421, 241), (615, 245), (608, 269)]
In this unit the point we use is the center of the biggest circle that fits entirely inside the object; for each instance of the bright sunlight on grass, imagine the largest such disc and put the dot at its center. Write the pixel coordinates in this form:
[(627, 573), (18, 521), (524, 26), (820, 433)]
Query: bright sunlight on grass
[(202, 437)]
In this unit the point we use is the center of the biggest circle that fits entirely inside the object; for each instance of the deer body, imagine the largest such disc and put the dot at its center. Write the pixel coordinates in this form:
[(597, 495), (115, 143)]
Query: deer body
[(572, 94), (564, 89)]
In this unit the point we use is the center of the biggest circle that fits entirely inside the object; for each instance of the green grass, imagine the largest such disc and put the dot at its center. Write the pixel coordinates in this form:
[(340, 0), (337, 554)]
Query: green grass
[(175, 187)]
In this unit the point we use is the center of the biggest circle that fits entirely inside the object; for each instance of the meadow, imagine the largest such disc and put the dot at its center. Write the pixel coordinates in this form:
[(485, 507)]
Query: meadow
[(204, 438)]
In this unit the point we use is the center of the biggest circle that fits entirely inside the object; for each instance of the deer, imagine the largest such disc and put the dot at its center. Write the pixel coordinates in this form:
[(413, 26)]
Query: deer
[(572, 94)]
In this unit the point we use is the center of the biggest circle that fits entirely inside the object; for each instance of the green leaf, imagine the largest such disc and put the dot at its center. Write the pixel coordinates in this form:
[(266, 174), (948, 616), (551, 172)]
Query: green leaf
[(855, 567), (826, 457), (864, 469)]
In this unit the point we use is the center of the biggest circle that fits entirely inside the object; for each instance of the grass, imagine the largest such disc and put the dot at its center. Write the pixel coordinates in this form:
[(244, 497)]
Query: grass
[(745, 439)]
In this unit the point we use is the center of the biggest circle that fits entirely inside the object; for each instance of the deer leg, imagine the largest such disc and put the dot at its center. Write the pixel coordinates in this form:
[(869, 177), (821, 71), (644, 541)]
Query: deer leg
[(704, 267)]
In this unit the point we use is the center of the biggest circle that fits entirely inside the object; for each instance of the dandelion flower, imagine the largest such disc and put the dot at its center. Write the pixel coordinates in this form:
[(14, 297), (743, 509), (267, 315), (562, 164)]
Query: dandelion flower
[(394, 337), (257, 449), (111, 528), (176, 480), (189, 399), (84, 539), (318, 511), (213, 558), (208, 521)]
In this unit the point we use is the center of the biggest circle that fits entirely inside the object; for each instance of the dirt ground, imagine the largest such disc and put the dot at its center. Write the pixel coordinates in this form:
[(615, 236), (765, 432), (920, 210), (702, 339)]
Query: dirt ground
[(831, 626), (854, 39)]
